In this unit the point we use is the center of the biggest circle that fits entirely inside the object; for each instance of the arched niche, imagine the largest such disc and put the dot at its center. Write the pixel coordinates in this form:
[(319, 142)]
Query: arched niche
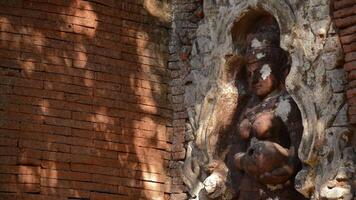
[(224, 30), (243, 25), (252, 11), (318, 103)]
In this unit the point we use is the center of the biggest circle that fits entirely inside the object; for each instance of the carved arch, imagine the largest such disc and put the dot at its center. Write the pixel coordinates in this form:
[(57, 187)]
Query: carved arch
[(255, 9), (312, 136)]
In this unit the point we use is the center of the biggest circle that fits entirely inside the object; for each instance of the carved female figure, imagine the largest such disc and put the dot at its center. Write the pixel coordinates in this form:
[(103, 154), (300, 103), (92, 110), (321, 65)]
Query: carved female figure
[(270, 126), (248, 144)]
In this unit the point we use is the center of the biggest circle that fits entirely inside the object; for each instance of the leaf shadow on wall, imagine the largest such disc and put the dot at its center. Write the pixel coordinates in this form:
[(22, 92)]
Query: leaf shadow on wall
[(83, 100)]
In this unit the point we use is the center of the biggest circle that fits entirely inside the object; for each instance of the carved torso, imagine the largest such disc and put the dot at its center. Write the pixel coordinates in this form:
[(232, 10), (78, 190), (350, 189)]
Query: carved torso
[(271, 129)]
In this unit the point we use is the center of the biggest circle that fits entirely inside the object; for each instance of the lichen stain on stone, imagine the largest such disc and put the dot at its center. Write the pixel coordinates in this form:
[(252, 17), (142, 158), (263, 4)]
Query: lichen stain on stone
[(283, 109), (265, 71)]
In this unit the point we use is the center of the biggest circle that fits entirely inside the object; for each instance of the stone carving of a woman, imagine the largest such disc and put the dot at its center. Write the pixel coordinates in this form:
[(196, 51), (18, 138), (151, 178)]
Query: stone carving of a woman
[(250, 140), (269, 126)]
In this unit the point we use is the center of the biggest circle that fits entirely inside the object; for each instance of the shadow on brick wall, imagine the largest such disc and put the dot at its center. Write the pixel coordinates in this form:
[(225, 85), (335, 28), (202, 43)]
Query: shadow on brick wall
[(83, 100)]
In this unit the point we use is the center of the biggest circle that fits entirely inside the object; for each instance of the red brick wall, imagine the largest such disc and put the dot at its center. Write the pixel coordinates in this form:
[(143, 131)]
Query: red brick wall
[(345, 19), (84, 107)]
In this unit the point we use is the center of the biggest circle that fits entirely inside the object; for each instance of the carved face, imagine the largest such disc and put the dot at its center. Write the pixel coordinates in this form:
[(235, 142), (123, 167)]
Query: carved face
[(261, 79)]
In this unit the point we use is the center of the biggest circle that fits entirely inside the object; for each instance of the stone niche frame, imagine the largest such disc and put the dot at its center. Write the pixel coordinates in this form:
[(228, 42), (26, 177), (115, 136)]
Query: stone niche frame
[(315, 82)]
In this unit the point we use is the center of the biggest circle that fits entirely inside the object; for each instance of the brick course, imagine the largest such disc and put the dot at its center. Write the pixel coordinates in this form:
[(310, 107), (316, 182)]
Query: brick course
[(85, 111), (344, 14)]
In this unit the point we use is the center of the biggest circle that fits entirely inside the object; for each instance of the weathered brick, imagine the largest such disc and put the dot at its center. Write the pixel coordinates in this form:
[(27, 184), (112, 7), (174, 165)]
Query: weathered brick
[(84, 108), (137, 193), (343, 3), (93, 152), (65, 192), (348, 30), (8, 178), (8, 160), (55, 183), (65, 175), (94, 169), (344, 12), (347, 39), (103, 196), (28, 179), (99, 187), (352, 75), (352, 119), (350, 66), (8, 142), (17, 187), (349, 47), (351, 93), (54, 165), (8, 151)]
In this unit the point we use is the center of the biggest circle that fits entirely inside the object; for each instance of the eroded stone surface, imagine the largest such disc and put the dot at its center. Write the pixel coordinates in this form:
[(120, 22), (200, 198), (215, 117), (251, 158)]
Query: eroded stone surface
[(314, 81)]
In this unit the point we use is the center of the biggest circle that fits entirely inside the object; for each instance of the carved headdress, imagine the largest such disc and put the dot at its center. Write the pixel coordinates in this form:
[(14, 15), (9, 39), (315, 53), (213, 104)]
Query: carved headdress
[(263, 46)]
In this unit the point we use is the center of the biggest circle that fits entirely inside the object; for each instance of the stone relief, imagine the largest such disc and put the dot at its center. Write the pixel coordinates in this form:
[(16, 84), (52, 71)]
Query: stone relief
[(252, 131), (270, 123)]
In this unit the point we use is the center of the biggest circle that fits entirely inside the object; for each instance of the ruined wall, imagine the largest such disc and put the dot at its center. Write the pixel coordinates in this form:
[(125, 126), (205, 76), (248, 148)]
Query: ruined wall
[(87, 90), (344, 17), (84, 102), (186, 15)]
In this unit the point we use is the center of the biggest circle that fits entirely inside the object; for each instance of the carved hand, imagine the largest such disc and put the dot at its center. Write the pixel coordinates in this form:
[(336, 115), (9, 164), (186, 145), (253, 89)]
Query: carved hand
[(278, 175), (215, 183), (267, 161)]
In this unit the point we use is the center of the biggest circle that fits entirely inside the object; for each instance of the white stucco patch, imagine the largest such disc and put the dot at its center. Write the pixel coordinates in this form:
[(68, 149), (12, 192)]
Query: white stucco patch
[(283, 109), (260, 55), (275, 198), (255, 43), (214, 185), (336, 193), (265, 71), (211, 183)]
